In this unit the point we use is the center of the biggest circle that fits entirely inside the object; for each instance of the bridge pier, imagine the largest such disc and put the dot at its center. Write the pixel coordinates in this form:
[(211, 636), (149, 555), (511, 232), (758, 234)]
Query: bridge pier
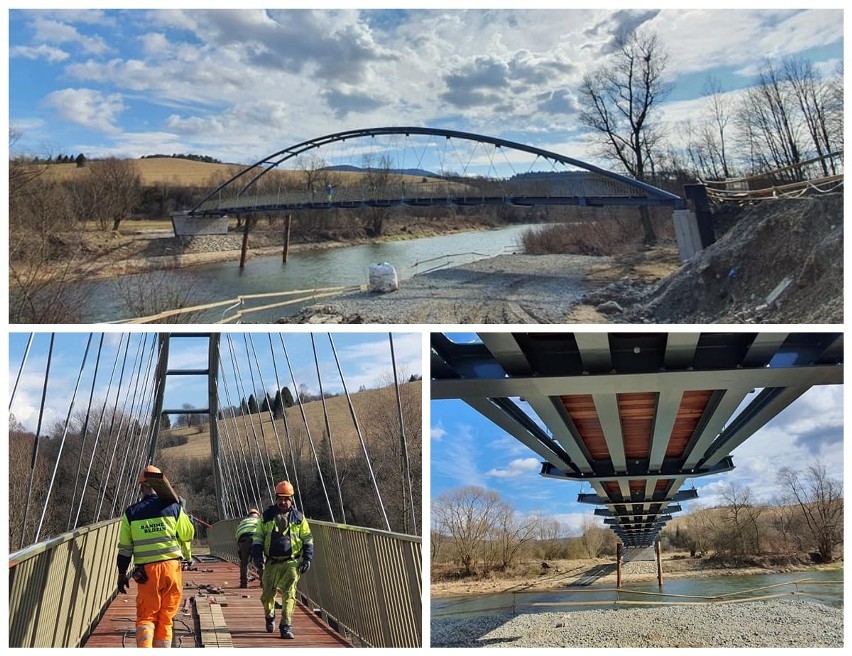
[(658, 553), (619, 552)]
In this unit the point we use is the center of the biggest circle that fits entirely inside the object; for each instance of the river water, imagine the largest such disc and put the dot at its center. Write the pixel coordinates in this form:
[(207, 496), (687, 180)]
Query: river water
[(306, 270), (823, 587)]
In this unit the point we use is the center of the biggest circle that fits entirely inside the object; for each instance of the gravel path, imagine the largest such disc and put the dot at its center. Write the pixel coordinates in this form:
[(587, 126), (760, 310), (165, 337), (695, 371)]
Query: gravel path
[(504, 289), (754, 624)]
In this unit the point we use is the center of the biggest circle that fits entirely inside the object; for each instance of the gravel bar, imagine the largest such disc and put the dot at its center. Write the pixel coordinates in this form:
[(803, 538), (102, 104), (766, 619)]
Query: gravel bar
[(788, 623)]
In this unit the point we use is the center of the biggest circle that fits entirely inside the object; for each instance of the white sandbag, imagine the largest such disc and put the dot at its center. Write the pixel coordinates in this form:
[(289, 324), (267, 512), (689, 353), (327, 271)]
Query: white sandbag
[(383, 278)]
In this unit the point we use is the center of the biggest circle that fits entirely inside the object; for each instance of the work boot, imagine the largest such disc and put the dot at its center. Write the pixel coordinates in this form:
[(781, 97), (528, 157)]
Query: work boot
[(287, 632), (270, 623)]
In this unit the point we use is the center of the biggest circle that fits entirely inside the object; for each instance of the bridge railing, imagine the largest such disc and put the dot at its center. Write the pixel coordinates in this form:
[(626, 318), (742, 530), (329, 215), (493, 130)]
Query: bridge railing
[(585, 185), (365, 581), (59, 589)]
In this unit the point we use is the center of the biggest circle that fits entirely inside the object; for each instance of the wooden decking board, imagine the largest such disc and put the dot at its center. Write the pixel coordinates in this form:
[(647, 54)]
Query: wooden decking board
[(227, 615)]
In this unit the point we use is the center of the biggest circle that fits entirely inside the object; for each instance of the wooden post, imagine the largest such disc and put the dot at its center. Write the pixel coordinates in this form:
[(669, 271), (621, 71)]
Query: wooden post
[(618, 551), (658, 551), (244, 248), (286, 238)]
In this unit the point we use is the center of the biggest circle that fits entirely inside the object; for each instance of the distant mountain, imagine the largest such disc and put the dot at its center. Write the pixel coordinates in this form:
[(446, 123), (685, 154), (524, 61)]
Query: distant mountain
[(348, 168)]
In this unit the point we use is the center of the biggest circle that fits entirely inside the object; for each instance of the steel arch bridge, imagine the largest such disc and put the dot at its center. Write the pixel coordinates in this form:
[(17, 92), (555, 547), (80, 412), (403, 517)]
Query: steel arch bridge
[(561, 180)]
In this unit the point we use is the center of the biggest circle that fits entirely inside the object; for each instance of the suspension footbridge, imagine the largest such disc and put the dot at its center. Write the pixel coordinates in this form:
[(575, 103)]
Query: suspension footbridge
[(88, 411)]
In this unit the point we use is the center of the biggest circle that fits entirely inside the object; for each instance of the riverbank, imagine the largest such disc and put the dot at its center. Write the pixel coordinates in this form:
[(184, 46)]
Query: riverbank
[(137, 248), (788, 623), (559, 574)]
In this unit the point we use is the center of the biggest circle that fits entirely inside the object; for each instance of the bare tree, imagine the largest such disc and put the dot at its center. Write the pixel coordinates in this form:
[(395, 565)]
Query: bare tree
[(511, 533), (741, 515), (618, 103), (769, 123), (468, 516), (815, 101), (820, 498), (595, 538), (108, 192)]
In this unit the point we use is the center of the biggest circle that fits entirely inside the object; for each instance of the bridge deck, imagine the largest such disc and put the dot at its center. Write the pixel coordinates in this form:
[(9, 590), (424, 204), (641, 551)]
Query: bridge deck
[(210, 618)]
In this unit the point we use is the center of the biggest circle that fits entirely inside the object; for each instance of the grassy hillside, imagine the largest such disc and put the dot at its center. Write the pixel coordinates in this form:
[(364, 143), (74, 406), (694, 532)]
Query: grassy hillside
[(375, 410), (185, 172)]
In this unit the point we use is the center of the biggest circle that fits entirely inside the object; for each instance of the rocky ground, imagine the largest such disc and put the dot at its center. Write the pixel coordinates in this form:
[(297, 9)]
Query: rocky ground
[(780, 261), (776, 623)]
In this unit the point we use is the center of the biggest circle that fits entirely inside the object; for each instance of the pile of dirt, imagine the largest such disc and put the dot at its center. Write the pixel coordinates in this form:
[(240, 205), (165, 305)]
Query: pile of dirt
[(781, 261)]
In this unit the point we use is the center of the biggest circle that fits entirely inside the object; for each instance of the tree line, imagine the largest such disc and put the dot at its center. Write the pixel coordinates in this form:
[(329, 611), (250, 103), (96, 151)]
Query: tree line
[(476, 531)]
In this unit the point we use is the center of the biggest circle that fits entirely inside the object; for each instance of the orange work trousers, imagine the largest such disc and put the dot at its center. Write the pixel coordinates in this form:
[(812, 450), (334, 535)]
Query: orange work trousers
[(157, 602)]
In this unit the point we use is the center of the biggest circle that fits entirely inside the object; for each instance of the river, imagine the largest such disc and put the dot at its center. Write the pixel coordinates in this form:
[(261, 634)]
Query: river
[(824, 587), (348, 266)]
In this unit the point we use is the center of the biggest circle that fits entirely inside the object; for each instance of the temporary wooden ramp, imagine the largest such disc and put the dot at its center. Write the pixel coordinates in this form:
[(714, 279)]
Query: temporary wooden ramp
[(215, 612)]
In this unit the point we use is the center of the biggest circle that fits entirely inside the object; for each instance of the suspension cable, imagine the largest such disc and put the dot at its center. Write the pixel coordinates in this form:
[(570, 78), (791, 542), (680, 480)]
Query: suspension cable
[(328, 430), (308, 430), (21, 369), (360, 435), (407, 463), (34, 456), (112, 434), (269, 408), (265, 450), (284, 417), (124, 415), (248, 423), (100, 424), (135, 443), (64, 436), (83, 434)]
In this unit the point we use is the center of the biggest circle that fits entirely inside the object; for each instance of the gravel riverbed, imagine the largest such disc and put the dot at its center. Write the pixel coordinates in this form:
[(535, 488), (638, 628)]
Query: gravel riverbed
[(776, 623)]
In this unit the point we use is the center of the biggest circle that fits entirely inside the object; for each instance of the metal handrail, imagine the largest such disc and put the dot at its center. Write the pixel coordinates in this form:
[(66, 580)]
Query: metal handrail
[(59, 589)]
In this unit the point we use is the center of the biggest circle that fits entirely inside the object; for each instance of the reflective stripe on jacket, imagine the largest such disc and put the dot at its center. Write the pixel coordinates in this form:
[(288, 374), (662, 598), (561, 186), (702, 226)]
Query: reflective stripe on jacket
[(247, 527), (283, 535), (152, 531)]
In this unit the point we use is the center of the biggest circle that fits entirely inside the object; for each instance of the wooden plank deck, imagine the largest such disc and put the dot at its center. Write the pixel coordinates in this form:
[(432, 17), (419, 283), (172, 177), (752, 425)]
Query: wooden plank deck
[(225, 616)]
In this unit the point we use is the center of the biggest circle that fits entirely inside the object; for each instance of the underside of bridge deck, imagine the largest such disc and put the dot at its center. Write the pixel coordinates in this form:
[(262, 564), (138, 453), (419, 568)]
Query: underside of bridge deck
[(633, 414)]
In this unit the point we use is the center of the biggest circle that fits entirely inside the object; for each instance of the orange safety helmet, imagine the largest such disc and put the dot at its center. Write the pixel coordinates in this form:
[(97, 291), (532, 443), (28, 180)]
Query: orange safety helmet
[(150, 469), (253, 511), (284, 489)]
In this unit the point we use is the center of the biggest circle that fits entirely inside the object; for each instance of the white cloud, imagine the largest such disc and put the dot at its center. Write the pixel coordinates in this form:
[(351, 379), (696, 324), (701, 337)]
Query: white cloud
[(516, 468), (87, 107), (39, 52), (437, 432), (51, 31)]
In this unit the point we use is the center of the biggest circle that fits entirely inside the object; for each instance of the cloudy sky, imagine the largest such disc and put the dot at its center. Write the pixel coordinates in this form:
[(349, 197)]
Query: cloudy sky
[(365, 359), (238, 84), (467, 449)]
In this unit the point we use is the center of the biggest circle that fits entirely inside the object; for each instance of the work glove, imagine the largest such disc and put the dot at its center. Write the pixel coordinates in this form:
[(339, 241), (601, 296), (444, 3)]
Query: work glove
[(123, 583), (305, 566)]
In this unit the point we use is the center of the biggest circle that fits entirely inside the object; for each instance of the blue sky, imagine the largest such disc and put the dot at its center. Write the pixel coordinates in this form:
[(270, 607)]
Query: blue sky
[(239, 84), (467, 449), (364, 359)]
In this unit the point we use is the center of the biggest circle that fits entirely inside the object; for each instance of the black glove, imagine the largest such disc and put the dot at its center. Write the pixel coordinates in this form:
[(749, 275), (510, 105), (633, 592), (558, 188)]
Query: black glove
[(258, 562), (123, 583), (305, 566)]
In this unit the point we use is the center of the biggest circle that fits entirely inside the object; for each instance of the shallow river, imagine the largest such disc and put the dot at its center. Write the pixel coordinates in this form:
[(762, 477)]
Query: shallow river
[(824, 587), (306, 270)]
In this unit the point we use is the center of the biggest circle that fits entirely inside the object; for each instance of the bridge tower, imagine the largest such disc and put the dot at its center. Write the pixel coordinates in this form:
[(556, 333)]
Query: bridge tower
[(212, 410)]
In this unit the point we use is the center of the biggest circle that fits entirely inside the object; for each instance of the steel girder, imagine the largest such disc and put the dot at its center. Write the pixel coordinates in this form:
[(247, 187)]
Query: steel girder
[(635, 415)]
